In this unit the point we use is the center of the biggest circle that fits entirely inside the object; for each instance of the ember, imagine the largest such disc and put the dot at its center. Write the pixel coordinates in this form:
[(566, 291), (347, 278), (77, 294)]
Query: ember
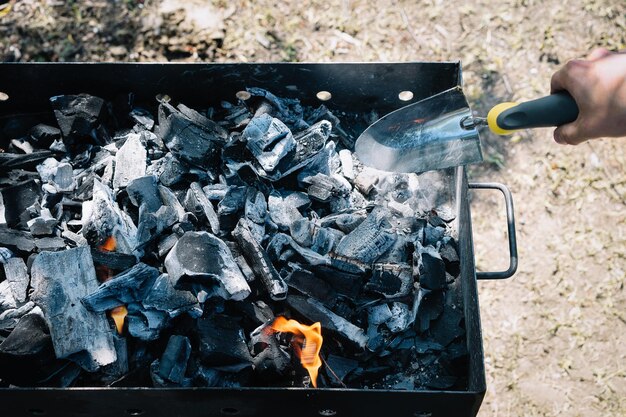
[(209, 237)]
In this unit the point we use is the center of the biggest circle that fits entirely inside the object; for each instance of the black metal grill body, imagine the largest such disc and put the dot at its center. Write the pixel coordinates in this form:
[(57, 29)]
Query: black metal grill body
[(354, 88)]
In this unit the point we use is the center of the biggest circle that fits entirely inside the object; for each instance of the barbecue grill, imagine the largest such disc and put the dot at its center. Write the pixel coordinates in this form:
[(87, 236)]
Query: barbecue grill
[(351, 88)]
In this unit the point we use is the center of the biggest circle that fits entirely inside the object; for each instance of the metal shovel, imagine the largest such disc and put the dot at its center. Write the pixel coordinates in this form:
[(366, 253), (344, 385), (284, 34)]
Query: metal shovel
[(441, 132)]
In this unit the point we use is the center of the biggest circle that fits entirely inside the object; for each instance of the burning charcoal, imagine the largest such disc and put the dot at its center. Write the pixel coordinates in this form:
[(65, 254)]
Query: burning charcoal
[(130, 286), (167, 243), (432, 270), (16, 240), (17, 199), (203, 259), (366, 180), (269, 140), (142, 191), (282, 211), (347, 222), (17, 277), (347, 167), (376, 316), (400, 209), (80, 117), (222, 341), (142, 117), (391, 280), (42, 225), (430, 305), (50, 244), (314, 311), (163, 296), (130, 161), (188, 141), (234, 200), (197, 198), (102, 218), (145, 324), (259, 261), (369, 240), (27, 356), (60, 280), (173, 363), (338, 368), (42, 136), (308, 284), (450, 256), (273, 361), (400, 317), (281, 247), (151, 225)]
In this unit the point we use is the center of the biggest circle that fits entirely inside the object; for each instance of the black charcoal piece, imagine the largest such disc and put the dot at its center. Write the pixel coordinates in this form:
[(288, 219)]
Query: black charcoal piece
[(169, 199), (259, 312), (130, 286), (288, 110), (215, 192), (320, 239), (11, 310), (222, 341), (16, 240), (449, 254), (145, 324), (347, 222), (197, 198), (308, 284), (432, 270), (114, 260), (10, 161), (323, 188), (391, 280), (142, 117), (240, 260), (325, 162), (352, 266), (17, 199), (169, 170), (234, 201), (188, 141), (366, 180), (17, 276), (401, 317), (42, 225), (448, 326), (260, 262), (58, 174), (163, 296), (41, 135), (369, 240), (200, 258), (143, 191), (50, 244), (80, 117), (203, 121), (282, 211), (430, 305), (166, 243), (119, 368), (337, 367), (5, 255), (130, 161), (432, 235), (60, 280), (173, 363), (74, 238), (281, 248), (269, 140), (314, 311)]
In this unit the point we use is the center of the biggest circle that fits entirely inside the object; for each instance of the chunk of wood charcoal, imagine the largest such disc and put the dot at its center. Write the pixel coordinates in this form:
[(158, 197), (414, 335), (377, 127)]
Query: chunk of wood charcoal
[(369, 240), (16, 240), (186, 140), (60, 280), (169, 199), (173, 363), (450, 255), (216, 192), (75, 238), (22, 145), (205, 122), (366, 180), (222, 341), (430, 305), (166, 243), (59, 174), (431, 268), (202, 259), (114, 260), (143, 191), (79, 117), (198, 198), (17, 199), (340, 367), (391, 280), (282, 247), (26, 355), (347, 165), (247, 272), (255, 208), (269, 140), (17, 276), (234, 201), (50, 244), (130, 161), (259, 262), (323, 187), (308, 284), (119, 368), (10, 309), (400, 317), (309, 143), (168, 169), (145, 324), (130, 286), (41, 135), (163, 296), (282, 211), (9, 161), (315, 311), (142, 117), (5, 255), (42, 225)]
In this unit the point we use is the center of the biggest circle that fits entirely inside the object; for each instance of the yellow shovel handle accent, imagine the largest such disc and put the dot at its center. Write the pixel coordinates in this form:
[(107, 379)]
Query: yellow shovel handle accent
[(492, 118)]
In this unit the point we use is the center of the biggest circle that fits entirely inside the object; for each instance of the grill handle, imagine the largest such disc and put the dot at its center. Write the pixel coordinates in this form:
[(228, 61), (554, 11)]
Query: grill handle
[(510, 219)]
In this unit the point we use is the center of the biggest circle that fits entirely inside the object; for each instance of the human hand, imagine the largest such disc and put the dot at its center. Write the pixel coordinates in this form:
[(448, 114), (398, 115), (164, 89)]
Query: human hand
[(598, 84)]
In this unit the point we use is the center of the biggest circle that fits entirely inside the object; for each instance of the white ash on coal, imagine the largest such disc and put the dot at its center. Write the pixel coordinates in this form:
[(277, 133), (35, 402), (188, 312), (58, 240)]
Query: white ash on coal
[(143, 252)]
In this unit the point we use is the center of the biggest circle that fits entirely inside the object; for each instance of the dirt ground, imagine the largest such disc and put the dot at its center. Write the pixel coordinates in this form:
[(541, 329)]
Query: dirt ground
[(555, 334)]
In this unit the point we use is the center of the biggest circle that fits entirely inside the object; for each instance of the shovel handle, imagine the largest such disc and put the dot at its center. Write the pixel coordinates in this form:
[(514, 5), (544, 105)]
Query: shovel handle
[(553, 110)]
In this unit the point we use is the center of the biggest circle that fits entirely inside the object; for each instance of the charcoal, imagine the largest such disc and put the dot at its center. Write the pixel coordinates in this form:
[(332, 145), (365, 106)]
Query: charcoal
[(369, 240), (59, 174), (188, 141), (74, 238), (273, 362), (425, 346), (163, 296), (142, 117), (201, 120), (366, 180), (102, 218), (308, 284), (349, 265), (145, 324), (130, 161), (432, 235), (376, 316), (391, 280), (288, 110), (216, 192), (320, 239), (201, 203), (168, 169), (222, 341), (400, 317), (432, 270), (259, 262), (113, 260), (240, 260), (166, 243), (269, 140), (50, 244), (16, 240), (259, 312), (314, 311), (173, 363), (60, 280), (42, 136), (449, 253), (130, 286), (282, 247), (283, 212), (42, 225), (142, 191), (5, 255), (10, 161), (80, 117), (347, 165), (17, 199), (11, 310), (325, 162), (448, 326), (22, 145), (17, 277), (169, 199), (339, 367), (234, 201), (255, 210), (203, 259), (323, 188), (430, 305)]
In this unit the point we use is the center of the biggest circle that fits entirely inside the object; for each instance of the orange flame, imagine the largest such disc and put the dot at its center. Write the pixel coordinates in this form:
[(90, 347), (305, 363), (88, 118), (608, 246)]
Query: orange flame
[(309, 351), (104, 273)]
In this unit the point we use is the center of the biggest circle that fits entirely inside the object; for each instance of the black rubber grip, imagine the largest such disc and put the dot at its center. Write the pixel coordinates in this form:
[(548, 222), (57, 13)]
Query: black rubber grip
[(553, 110)]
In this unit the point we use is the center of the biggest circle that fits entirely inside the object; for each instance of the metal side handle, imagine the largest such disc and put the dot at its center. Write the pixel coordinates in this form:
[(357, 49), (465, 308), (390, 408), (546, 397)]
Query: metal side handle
[(510, 219)]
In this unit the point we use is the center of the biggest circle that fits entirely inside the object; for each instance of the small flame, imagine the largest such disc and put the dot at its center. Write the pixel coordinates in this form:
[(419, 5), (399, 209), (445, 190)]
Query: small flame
[(309, 351), (104, 273)]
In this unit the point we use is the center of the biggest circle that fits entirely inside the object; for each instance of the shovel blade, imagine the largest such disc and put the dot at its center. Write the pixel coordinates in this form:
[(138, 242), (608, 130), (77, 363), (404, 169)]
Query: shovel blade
[(422, 136)]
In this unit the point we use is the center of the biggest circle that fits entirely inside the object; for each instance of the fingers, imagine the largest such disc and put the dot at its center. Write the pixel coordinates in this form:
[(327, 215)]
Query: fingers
[(569, 134), (565, 78)]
